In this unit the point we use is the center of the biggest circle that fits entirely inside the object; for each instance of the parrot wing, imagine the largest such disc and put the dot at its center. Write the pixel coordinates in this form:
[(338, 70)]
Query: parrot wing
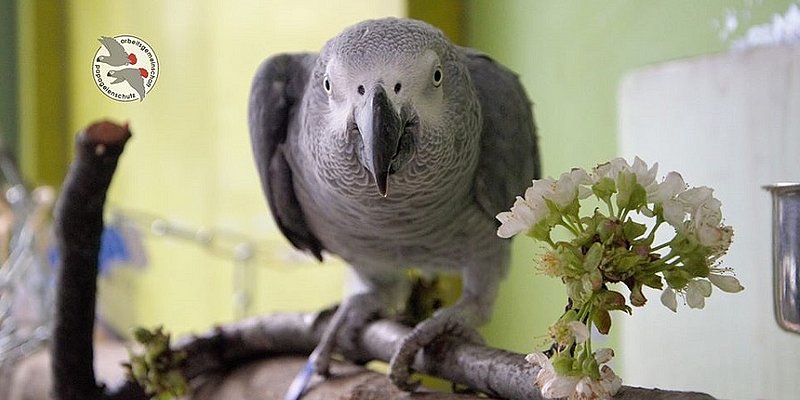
[(509, 157), (275, 98), (137, 83), (115, 50)]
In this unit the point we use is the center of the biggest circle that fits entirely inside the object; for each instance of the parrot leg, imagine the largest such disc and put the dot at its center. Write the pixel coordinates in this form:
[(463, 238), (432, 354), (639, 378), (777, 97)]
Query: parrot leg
[(472, 309), (347, 322), (353, 315)]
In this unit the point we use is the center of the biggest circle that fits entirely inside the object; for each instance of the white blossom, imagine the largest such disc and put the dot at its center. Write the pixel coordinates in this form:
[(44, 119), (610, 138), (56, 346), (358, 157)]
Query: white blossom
[(551, 384), (644, 176), (696, 292), (667, 189), (527, 211), (610, 169)]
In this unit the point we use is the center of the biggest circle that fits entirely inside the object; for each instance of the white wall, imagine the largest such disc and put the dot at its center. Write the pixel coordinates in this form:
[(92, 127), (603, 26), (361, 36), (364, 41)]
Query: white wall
[(732, 122)]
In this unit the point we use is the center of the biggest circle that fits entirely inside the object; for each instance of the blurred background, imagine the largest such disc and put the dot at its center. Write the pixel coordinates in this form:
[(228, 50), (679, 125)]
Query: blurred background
[(188, 192)]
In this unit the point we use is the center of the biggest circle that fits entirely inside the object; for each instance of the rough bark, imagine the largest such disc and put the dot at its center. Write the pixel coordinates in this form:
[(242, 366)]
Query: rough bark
[(79, 224)]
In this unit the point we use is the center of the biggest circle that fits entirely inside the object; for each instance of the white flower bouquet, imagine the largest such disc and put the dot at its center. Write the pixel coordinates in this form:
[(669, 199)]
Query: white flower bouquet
[(607, 247)]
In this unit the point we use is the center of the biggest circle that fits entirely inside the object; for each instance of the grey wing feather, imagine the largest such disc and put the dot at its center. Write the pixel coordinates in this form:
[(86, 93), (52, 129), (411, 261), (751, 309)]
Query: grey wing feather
[(509, 157), (114, 48), (275, 97), (137, 83)]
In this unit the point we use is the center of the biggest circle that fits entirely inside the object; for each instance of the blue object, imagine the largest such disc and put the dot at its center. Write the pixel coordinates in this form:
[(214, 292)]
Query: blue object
[(114, 250), (300, 382)]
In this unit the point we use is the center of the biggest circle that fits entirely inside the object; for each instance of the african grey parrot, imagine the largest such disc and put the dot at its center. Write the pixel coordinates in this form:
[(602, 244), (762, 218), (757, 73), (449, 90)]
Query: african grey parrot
[(117, 56), (134, 77), (394, 148)]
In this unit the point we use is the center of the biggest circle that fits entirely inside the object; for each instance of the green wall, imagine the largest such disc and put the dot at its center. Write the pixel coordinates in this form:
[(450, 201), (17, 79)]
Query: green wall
[(571, 56)]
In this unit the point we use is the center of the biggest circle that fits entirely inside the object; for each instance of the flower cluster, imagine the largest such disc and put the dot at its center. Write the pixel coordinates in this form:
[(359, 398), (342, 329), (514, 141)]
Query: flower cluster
[(614, 247)]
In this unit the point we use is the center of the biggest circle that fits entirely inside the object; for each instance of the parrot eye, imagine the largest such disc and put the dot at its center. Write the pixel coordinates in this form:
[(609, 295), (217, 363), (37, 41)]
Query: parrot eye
[(437, 76), (326, 83)]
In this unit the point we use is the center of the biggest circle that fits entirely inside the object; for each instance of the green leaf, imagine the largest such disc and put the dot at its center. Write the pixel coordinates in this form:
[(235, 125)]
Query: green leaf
[(541, 231), (626, 182), (607, 229), (573, 208), (604, 188), (650, 279), (590, 368), (602, 320), (569, 316), (562, 364), (593, 257), (637, 297), (632, 230), (638, 197), (677, 278), (697, 266), (609, 300)]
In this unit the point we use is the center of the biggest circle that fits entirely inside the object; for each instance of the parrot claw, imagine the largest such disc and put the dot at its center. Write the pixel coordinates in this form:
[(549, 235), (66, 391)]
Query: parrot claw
[(445, 322)]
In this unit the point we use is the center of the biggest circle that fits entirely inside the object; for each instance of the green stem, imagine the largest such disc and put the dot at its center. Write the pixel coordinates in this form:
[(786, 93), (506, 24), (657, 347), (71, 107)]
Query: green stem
[(652, 235), (568, 224), (610, 206), (660, 264), (661, 246)]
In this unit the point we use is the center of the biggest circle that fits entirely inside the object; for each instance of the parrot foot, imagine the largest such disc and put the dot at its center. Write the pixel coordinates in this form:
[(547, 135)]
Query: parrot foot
[(447, 321), (345, 329)]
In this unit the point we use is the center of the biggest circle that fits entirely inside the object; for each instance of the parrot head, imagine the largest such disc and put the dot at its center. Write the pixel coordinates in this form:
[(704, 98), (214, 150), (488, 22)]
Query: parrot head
[(386, 84)]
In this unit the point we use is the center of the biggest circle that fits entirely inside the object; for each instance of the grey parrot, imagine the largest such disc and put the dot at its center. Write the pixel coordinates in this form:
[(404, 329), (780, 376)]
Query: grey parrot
[(393, 148), (117, 56), (134, 77)]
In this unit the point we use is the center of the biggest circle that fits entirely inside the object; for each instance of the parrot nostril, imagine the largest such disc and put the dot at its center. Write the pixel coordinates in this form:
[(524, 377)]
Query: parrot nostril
[(397, 87), (361, 89)]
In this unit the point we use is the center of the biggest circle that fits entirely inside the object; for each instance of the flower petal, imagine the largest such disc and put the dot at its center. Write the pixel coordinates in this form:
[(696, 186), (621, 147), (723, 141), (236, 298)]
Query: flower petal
[(669, 300), (695, 196), (558, 386), (603, 355), (644, 176), (673, 213), (696, 292), (726, 283), (510, 225), (610, 381), (672, 185), (538, 359), (579, 330)]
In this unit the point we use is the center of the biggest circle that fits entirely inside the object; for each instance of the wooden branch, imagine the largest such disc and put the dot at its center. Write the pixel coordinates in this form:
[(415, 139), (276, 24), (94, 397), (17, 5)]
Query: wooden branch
[(79, 224), (496, 372)]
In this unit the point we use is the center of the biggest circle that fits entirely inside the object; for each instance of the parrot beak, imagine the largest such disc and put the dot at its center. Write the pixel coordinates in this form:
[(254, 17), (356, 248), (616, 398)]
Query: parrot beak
[(381, 127)]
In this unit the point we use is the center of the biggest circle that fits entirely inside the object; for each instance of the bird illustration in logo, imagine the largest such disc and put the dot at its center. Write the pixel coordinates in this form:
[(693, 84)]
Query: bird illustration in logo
[(134, 76), (117, 56)]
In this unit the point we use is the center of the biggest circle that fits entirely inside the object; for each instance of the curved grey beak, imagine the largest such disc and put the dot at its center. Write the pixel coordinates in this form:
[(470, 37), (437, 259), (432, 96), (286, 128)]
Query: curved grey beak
[(381, 127)]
